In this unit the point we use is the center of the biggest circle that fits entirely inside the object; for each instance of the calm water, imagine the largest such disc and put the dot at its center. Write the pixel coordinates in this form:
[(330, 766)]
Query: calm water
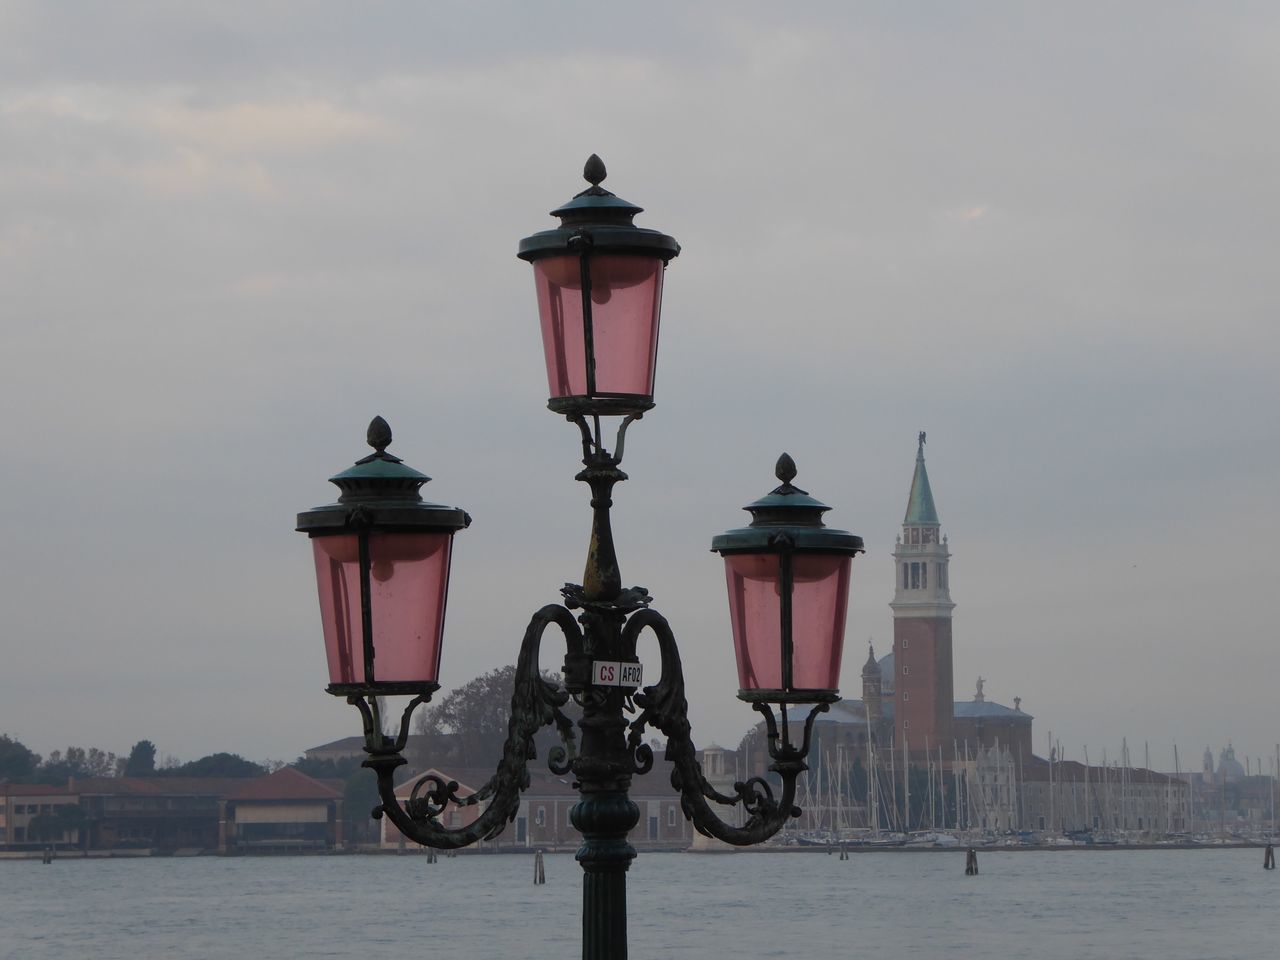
[(1060, 905)]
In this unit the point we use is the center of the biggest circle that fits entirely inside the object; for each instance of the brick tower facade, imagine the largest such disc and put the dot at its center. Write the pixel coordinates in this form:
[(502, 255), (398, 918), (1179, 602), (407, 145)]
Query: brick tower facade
[(923, 693)]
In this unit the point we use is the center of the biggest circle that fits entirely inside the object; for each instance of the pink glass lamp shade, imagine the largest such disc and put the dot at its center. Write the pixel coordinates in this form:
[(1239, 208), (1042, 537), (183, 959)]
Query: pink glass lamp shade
[(625, 298), (409, 583), (819, 603), (599, 286), (788, 581), (382, 560)]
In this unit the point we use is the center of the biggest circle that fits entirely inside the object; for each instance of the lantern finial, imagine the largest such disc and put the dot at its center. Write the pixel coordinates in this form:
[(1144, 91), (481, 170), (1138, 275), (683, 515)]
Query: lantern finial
[(594, 170), (786, 469), (379, 435)]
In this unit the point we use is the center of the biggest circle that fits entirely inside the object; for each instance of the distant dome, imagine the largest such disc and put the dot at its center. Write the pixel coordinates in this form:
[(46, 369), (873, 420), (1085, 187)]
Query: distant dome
[(1229, 767)]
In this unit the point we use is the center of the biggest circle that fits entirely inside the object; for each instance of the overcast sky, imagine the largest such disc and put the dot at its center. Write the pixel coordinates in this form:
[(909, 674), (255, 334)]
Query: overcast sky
[(232, 233)]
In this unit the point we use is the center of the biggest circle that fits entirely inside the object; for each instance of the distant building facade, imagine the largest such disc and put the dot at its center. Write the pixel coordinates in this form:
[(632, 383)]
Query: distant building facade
[(286, 810)]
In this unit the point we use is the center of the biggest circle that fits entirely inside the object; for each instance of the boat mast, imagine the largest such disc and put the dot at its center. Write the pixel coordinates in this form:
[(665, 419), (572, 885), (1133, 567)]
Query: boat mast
[(906, 787), (942, 790), (1088, 817), (873, 819), (893, 787), (1050, 781)]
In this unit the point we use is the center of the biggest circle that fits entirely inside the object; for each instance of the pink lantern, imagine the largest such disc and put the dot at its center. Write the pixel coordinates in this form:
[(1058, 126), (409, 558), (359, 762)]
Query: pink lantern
[(788, 581), (382, 571), (599, 285)]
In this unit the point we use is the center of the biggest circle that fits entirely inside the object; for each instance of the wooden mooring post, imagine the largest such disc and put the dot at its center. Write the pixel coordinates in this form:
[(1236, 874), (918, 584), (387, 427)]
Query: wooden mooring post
[(971, 863), (1269, 858), (539, 869)]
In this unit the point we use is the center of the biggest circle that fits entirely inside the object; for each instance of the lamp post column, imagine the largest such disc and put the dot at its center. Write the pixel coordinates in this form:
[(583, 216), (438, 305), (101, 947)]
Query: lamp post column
[(604, 816), (605, 813)]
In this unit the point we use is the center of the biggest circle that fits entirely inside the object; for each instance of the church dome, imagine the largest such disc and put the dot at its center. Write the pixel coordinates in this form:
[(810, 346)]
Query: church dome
[(1229, 768)]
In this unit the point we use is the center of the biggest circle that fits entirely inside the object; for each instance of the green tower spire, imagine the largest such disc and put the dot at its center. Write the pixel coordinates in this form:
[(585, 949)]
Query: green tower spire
[(920, 508)]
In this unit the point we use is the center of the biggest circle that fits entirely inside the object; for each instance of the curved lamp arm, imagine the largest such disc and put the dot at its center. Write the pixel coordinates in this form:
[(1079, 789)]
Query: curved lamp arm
[(665, 708), (535, 703)]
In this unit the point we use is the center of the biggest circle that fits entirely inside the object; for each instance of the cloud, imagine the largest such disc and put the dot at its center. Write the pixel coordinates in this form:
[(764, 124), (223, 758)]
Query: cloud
[(256, 128), (229, 238)]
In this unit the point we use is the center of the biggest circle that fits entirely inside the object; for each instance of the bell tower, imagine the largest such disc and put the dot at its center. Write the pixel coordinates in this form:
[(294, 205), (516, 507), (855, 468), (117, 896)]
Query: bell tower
[(923, 693)]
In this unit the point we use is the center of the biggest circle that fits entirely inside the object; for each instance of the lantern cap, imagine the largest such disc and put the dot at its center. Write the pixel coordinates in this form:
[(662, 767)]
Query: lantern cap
[(599, 219), (380, 490), (787, 518)]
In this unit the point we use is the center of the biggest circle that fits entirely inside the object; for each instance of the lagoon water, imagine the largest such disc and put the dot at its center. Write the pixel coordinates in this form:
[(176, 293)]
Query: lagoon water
[(1050, 905)]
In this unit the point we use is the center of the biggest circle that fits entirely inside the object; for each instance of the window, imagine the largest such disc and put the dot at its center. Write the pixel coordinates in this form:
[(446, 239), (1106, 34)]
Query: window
[(906, 671), (942, 576), (1042, 823), (905, 696), (904, 643), (915, 535), (915, 576), (541, 818), (906, 576), (924, 576), (671, 816)]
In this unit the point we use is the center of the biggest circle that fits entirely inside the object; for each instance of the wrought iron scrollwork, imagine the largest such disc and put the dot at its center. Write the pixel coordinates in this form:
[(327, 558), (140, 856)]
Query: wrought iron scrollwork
[(535, 703), (664, 707)]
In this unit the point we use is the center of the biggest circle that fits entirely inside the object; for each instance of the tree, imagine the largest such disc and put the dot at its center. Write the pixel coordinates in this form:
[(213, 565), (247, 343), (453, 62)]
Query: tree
[(359, 793), (76, 762), (142, 760), (215, 765), (469, 726), (16, 761)]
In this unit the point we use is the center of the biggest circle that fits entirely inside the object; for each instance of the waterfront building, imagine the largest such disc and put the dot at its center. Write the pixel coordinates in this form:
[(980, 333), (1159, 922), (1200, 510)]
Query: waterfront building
[(285, 810), (34, 815), (1064, 796), (282, 811)]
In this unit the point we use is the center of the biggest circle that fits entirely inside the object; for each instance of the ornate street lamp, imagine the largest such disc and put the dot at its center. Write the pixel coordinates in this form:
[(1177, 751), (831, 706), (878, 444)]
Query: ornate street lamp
[(599, 280), (382, 566), (382, 569)]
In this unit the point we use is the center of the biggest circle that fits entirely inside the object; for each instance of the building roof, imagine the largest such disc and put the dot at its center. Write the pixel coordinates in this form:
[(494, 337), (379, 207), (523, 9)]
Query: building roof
[(853, 711), (32, 790), (1068, 771), (987, 709), (157, 786), (347, 746), (287, 783), (920, 508)]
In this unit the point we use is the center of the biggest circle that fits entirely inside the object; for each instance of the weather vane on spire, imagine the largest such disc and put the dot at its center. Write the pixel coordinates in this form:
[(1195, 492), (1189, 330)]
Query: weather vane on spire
[(922, 438)]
